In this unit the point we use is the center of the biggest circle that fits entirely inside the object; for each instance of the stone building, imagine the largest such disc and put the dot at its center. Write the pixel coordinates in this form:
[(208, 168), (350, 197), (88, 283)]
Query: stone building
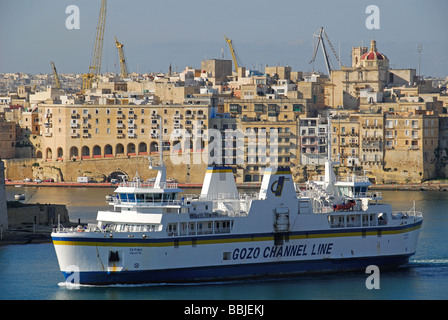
[(97, 132), (410, 144), (7, 139)]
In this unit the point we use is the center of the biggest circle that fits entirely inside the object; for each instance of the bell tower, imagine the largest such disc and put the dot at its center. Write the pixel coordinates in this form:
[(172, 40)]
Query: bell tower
[(357, 53)]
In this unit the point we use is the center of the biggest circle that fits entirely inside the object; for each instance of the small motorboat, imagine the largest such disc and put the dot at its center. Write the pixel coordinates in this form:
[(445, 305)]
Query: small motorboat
[(19, 196)]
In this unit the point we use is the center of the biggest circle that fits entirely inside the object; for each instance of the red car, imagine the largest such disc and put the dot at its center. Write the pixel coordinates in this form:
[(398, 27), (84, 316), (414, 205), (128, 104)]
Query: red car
[(49, 180)]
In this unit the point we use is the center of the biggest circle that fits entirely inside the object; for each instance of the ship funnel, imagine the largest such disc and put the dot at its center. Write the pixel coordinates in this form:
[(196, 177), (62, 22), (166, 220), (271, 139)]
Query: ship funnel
[(219, 180), (277, 184)]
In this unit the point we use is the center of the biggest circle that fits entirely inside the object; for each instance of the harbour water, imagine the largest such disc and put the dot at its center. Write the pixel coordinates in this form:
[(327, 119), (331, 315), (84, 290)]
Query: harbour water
[(30, 272)]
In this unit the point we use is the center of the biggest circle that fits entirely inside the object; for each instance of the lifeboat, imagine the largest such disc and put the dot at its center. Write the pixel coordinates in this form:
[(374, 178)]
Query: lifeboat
[(345, 206)]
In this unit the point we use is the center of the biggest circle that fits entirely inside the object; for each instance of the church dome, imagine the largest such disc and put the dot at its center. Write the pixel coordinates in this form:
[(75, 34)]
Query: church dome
[(373, 53)]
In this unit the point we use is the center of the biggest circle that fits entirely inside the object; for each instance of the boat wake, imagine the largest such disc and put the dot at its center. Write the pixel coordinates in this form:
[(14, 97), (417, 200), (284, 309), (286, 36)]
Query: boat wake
[(432, 265), (429, 262)]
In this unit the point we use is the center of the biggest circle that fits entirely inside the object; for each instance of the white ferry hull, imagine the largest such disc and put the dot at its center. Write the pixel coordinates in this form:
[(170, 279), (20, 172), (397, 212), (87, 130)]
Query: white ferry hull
[(85, 257)]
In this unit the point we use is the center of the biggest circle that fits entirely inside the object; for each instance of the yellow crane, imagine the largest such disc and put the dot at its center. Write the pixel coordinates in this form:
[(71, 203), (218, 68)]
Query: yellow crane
[(123, 67), (232, 51), (95, 65), (56, 77)]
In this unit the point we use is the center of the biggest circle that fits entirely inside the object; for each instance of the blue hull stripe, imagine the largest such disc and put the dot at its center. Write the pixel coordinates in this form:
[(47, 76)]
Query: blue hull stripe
[(240, 271)]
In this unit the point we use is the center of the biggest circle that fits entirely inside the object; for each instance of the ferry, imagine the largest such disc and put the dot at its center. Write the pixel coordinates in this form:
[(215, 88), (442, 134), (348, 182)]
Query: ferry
[(157, 234)]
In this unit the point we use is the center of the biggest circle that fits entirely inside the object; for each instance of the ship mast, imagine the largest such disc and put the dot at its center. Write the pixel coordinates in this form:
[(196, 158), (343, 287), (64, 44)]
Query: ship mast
[(330, 177)]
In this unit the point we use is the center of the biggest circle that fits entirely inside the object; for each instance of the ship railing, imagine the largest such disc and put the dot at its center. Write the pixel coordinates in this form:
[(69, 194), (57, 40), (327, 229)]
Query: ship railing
[(143, 202), (352, 178), (348, 178), (410, 213), (374, 195), (139, 184), (222, 196)]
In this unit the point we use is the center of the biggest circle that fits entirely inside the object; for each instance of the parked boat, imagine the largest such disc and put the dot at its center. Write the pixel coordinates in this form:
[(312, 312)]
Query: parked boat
[(19, 196)]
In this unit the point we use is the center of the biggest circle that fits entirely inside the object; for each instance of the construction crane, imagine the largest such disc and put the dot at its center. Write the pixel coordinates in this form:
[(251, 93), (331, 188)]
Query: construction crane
[(56, 77), (232, 51), (123, 67), (320, 40), (95, 65)]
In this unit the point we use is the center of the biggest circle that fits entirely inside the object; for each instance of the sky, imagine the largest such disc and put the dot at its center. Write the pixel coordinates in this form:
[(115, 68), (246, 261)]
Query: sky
[(182, 33)]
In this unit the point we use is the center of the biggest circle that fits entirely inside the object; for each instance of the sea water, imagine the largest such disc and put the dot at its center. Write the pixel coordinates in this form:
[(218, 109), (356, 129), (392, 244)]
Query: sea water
[(30, 272)]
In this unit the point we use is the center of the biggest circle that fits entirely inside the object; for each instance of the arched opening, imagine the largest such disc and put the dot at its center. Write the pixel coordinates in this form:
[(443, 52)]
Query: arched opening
[(74, 153), (108, 151), (177, 146), (85, 153), (166, 146), (188, 144), (48, 154), (60, 153), (39, 154), (117, 175), (247, 178), (119, 150), (97, 152), (154, 147), (131, 149), (142, 149), (199, 144)]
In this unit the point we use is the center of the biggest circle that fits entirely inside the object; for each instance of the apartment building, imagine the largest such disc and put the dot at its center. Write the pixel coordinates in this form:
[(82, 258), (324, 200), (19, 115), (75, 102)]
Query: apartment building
[(371, 141), (345, 139), (313, 134)]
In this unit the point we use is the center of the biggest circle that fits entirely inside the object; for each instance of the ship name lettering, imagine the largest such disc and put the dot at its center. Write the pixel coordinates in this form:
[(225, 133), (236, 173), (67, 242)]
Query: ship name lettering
[(282, 251), (322, 248), (135, 250), (285, 251), (246, 253)]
